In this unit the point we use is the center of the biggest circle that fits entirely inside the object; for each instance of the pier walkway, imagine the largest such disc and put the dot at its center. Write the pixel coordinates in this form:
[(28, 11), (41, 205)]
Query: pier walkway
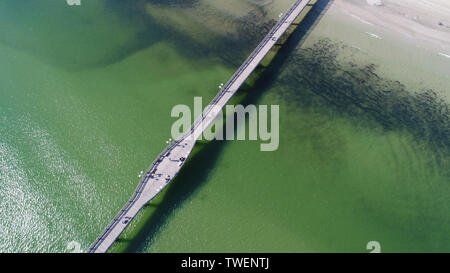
[(167, 165)]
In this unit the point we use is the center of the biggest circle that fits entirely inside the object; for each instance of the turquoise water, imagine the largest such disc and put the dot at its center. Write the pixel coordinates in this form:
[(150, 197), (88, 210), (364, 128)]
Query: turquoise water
[(86, 94)]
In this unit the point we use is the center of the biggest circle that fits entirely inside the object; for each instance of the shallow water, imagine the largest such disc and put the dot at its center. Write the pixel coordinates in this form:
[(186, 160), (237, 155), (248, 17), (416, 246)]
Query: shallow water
[(86, 95)]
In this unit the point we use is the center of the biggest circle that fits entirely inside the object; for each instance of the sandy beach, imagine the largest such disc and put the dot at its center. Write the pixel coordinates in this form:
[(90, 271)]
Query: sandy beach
[(425, 22)]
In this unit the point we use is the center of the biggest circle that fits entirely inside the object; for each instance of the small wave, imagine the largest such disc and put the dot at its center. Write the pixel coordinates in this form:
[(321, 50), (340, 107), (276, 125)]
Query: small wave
[(361, 20), (374, 35), (445, 55)]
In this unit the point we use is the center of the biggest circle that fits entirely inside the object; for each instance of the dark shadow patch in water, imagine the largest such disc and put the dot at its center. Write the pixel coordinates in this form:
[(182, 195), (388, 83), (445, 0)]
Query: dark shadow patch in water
[(199, 166), (231, 47), (314, 77)]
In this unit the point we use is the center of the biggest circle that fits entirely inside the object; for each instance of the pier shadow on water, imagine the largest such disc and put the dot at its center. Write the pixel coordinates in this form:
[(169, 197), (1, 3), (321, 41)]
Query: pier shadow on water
[(197, 169)]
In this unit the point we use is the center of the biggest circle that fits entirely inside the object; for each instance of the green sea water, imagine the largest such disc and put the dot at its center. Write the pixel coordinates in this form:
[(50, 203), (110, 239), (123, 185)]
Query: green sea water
[(85, 100)]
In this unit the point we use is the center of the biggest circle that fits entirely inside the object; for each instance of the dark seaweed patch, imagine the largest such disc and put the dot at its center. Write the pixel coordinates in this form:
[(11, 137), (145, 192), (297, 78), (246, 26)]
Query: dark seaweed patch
[(358, 91)]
